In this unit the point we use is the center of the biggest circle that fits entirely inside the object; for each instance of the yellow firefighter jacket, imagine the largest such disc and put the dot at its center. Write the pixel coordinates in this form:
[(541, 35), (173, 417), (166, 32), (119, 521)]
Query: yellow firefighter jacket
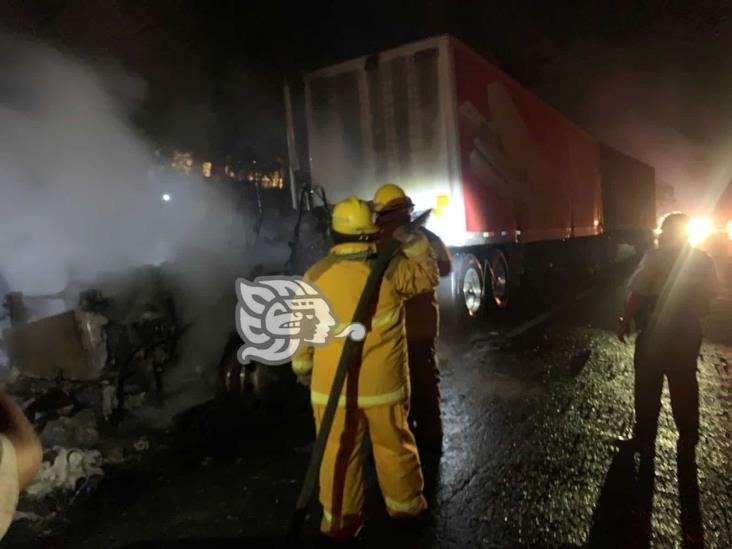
[(422, 311), (378, 375)]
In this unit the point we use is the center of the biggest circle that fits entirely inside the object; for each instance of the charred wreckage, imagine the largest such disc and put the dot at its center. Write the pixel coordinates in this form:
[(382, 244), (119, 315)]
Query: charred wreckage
[(89, 363)]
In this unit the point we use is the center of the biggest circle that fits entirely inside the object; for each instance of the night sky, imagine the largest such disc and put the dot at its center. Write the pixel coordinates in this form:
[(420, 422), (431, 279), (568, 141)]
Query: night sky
[(652, 79)]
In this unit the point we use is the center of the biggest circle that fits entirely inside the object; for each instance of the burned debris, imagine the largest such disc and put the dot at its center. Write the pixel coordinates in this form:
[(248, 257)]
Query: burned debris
[(85, 373)]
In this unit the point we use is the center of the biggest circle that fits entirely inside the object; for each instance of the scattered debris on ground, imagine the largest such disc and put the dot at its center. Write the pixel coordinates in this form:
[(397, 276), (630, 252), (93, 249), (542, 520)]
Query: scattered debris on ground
[(65, 470)]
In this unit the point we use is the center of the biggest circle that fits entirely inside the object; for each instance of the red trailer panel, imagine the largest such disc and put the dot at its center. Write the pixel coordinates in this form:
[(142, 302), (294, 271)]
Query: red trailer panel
[(524, 166), (587, 208)]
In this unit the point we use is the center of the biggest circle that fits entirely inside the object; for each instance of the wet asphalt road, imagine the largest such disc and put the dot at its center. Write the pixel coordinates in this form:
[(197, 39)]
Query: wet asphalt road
[(528, 460)]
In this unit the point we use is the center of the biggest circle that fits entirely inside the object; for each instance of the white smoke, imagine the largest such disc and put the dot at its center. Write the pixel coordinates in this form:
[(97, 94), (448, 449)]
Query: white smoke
[(80, 195), (652, 110), (79, 192)]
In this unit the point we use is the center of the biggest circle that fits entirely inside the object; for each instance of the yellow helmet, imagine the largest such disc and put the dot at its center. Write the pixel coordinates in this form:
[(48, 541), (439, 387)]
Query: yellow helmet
[(353, 216), (391, 197)]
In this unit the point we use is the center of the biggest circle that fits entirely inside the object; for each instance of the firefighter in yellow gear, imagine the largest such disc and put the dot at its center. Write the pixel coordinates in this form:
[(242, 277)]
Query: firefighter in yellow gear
[(393, 208), (377, 390)]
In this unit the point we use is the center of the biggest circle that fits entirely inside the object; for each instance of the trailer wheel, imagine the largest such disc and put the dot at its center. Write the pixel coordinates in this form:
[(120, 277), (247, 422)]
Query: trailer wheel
[(471, 286), (463, 292), (261, 392), (500, 278)]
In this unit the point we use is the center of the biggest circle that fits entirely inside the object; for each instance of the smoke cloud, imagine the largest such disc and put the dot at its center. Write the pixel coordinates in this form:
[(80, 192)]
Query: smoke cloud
[(636, 114), (80, 195), (79, 191), (651, 96)]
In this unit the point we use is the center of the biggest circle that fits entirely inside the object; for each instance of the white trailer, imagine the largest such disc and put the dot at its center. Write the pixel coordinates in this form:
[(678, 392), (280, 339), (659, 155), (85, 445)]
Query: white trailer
[(506, 176)]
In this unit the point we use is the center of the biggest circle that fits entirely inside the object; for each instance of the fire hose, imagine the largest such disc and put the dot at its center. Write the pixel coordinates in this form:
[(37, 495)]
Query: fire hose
[(361, 316)]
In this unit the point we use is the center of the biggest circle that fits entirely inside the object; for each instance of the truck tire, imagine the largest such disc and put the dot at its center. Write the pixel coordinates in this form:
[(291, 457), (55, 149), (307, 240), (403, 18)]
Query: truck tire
[(499, 279), (261, 392), (462, 294)]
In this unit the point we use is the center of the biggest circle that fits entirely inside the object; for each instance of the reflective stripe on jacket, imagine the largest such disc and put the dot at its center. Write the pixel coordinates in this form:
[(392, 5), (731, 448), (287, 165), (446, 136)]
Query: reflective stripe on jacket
[(382, 375)]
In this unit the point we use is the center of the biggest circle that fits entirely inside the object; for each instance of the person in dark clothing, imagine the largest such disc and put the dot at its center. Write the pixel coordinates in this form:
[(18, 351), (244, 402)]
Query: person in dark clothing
[(393, 208), (670, 293)]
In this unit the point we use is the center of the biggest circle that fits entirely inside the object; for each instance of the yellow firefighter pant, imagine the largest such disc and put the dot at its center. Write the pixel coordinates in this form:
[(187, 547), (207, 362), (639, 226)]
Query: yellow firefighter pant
[(341, 473)]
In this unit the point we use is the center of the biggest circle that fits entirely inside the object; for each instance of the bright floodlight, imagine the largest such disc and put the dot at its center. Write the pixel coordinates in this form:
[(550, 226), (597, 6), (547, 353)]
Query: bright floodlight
[(699, 228), (166, 197)]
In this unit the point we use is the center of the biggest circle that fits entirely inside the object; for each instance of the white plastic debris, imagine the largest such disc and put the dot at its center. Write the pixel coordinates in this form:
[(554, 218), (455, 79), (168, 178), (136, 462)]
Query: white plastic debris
[(69, 466)]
